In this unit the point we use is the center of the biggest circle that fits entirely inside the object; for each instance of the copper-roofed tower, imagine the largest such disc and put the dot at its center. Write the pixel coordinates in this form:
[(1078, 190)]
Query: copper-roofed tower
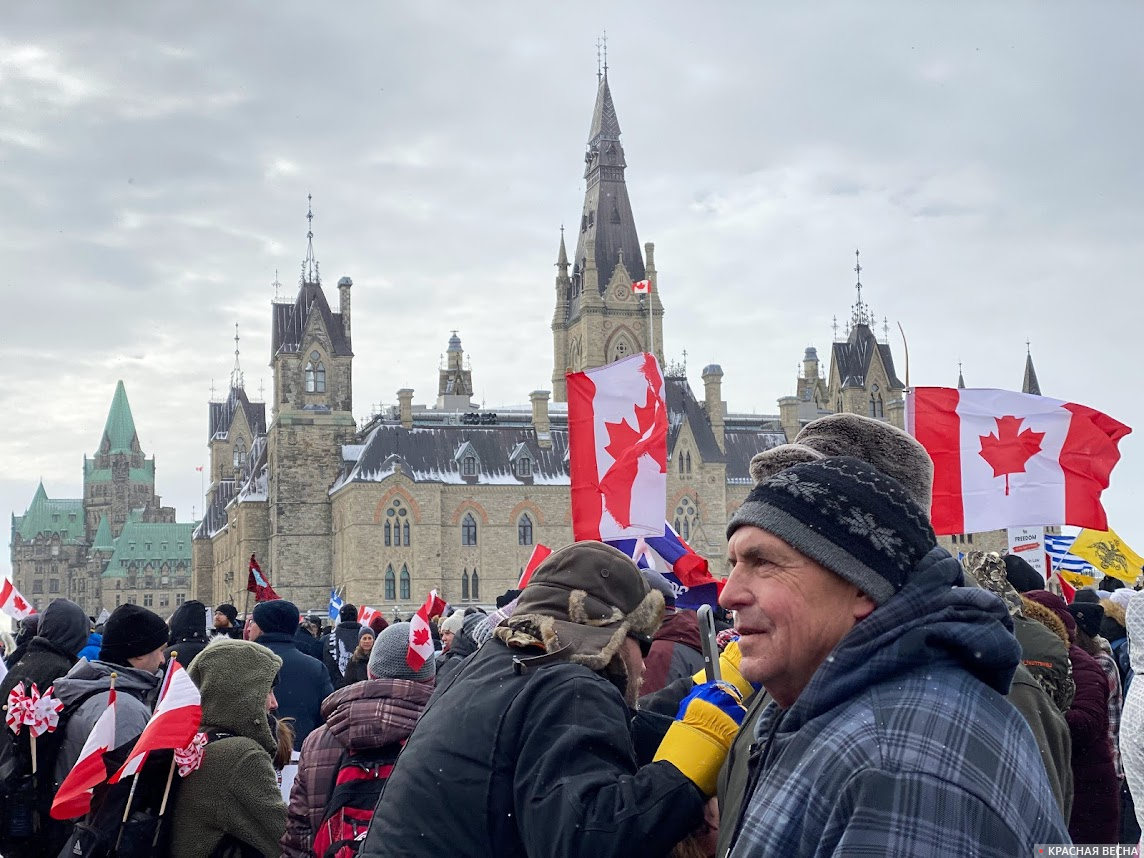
[(598, 318)]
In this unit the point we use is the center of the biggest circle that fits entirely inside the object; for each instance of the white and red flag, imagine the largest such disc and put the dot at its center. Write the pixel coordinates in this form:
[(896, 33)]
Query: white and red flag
[(173, 724), (73, 798), (617, 428), (365, 613), (538, 555), (420, 637), (257, 584), (642, 287), (12, 603), (1005, 459)]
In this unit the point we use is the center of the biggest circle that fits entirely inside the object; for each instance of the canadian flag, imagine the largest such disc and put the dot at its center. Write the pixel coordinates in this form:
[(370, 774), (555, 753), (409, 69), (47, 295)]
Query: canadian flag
[(12, 603), (617, 428), (74, 796), (365, 613), (642, 287), (174, 723), (538, 555), (1004, 459), (420, 637)]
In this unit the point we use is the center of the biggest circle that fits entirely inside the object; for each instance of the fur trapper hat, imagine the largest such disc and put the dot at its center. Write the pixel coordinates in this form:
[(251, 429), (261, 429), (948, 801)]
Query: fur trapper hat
[(889, 449), (987, 569), (588, 597)]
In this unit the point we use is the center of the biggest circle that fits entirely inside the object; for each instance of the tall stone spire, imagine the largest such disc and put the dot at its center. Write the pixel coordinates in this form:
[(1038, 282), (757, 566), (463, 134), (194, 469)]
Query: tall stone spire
[(607, 221), (1030, 384)]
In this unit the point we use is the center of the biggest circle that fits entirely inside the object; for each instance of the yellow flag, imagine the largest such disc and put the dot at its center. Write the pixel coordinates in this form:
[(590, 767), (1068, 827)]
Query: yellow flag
[(1108, 553), (1077, 579)]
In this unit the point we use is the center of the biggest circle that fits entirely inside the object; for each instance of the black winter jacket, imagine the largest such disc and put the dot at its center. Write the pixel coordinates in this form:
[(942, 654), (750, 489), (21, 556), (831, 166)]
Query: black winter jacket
[(337, 648), (303, 685), (308, 644), (538, 764), (188, 632)]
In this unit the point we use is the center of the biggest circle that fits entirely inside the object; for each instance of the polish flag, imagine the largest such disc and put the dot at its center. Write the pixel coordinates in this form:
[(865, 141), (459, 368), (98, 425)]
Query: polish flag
[(420, 637), (365, 613), (12, 603), (538, 555), (74, 796), (642, 287), (174, 723), (617, 428), (1004, 459)]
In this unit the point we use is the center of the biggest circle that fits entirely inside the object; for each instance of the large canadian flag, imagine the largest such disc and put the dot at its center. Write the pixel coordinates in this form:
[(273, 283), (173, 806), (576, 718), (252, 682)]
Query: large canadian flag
[(73, 799), (617, 437), (12, 603), (420, 636), (174, 723), (1005, 459)]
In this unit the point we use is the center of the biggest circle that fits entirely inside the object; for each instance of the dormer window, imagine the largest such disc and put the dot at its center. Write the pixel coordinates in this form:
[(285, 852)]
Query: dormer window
[(520, 460), (469, 466), (524, 467), (315, 374)]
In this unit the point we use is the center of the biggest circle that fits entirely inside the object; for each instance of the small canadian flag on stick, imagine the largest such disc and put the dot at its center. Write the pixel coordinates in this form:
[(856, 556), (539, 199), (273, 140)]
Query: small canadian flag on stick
[(420, 636), (642, 287), (12, 603)]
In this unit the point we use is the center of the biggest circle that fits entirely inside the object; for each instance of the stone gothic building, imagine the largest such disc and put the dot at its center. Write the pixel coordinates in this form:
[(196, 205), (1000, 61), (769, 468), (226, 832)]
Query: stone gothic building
[(452, 496), (117, 544)]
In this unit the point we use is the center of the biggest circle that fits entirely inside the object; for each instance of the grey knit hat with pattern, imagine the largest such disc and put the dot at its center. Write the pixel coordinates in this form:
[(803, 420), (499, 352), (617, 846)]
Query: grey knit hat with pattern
[(387, 659), (849, 517)]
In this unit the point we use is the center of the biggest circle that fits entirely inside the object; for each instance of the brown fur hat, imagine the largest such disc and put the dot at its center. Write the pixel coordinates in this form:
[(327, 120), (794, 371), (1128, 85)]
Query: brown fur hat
[(1046, 617), (588, 597), (887, 448)]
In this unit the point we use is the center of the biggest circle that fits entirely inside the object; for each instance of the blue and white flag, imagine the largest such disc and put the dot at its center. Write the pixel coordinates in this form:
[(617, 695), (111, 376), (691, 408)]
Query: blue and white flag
[(336, 603), (1057, 546), (685, 570)]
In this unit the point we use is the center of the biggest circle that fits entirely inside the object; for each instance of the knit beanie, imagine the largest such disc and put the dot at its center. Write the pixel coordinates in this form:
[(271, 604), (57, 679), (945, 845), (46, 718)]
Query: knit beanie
[(378, 623), (387, 660), (131, 631), (1088, 616), (365, 630), (348, 613), (228, 611), (278, 616), (846, 515), (1021, 575), (453, 622), (1122, 596)]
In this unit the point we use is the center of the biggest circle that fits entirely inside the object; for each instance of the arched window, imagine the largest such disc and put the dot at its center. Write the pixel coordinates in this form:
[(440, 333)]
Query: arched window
[(390, 584), (468, 530), (405, 532), (524, 467), (686, 518), (397, 525), (405, 584), (240, 453), (476, 585), (387, 532), (681, 464), (465, 585), (315, 374), (469, 466), (876, 407), (524, 530), (687, 458)]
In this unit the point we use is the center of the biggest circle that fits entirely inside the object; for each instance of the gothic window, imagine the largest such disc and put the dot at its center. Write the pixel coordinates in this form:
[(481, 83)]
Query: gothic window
[(315, 374), (468, 530), (687, 458), (621, 350), (524, 467), (876, 408), (681, 464), (405, 585), (476, 585), (469, 466), (524, 530), (390, 584), (465, 585), (686, 518), (240, 453), (405, 532)]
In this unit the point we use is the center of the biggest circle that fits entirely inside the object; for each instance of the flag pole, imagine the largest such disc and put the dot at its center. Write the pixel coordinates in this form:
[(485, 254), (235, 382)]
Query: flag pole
[(650, 326)]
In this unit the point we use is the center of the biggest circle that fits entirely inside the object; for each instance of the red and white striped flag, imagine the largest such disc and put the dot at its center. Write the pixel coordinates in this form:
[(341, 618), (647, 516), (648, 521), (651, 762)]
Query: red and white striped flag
[(420, 636), (74, 796), (12, 603), (174, 724), (642, 287), (617, 438), (538, 555), (1005, 459)]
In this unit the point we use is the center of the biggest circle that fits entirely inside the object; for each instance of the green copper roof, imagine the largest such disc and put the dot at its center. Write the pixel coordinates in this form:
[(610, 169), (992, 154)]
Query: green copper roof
[(141, 543), (92, 474), (48, 516), (103, 540), (120, 426)]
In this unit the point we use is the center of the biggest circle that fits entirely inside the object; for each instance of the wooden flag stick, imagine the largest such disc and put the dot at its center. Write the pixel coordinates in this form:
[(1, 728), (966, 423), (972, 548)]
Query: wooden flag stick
[(167, 789)]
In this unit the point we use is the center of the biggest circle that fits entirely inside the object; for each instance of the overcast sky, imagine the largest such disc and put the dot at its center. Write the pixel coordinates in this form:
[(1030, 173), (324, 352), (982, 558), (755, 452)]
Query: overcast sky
[(155, 161)]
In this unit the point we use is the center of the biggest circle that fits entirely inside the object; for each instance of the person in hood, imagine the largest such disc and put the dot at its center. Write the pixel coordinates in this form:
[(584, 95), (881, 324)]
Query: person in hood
[(375, 715), (188, 632), (676, 651), (226, 622), (233, 799), (339, 645), (888, 732), (308, 635), (1132, 719), (303, 681), (528, 745), (132, 648)]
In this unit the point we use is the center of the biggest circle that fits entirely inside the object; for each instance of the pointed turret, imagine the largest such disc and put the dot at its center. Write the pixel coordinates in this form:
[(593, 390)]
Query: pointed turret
[(119, 431), (1030, 384), (605, 124), (960, 378), (562, 257), (40, 495), (103, 540)]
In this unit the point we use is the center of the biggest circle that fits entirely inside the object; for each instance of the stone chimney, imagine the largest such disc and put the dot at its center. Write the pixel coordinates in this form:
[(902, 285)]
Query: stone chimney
[(540, 420), (405, 407), (713, 401), (344, 303)]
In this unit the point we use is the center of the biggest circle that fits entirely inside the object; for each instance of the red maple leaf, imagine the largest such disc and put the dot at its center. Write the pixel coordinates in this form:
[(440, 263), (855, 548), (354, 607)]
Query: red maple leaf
[(420, 637), (19, 604), (1008, 450), (627, 446)]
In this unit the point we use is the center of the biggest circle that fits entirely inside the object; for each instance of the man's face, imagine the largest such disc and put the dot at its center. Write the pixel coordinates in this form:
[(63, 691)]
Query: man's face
[(252, 630), (221, 621), (790, 611), (150, 662)]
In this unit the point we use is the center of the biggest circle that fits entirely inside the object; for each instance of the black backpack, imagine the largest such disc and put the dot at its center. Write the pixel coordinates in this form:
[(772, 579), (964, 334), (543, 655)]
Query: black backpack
[(354, 793)]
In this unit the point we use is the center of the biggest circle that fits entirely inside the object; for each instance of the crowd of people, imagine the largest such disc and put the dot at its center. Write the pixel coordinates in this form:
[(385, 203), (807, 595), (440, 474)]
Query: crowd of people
[(877, 696)]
